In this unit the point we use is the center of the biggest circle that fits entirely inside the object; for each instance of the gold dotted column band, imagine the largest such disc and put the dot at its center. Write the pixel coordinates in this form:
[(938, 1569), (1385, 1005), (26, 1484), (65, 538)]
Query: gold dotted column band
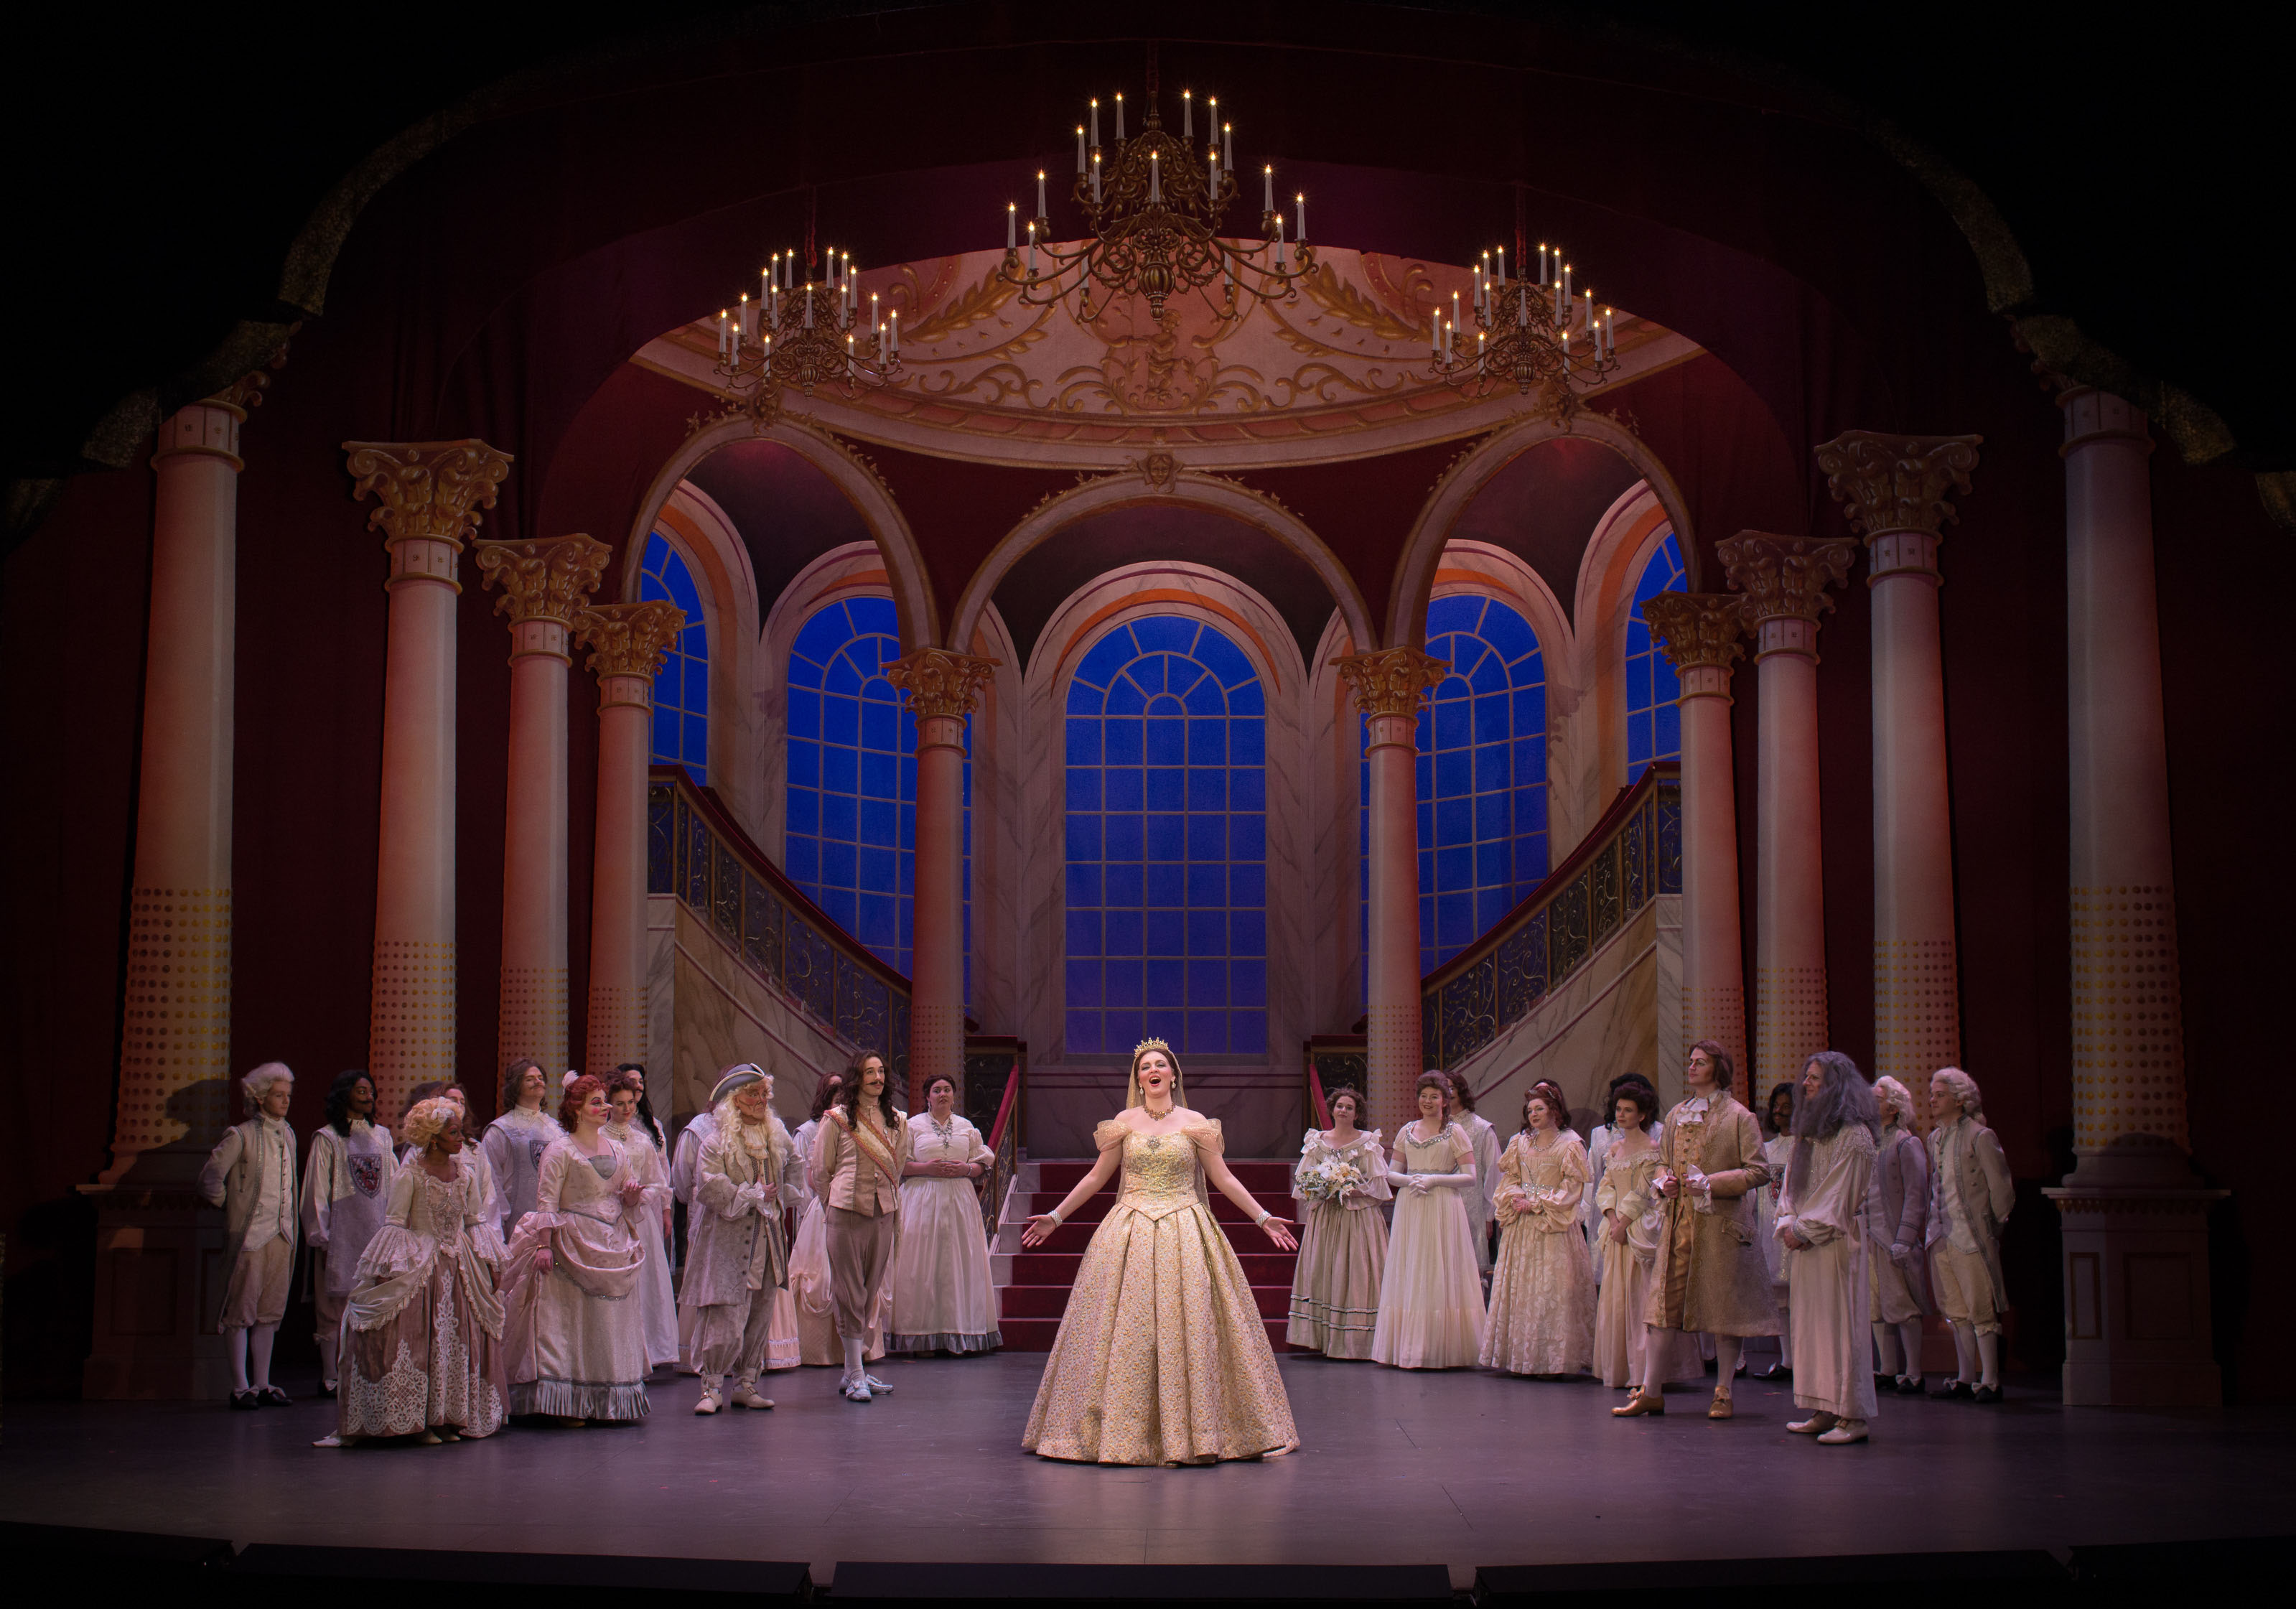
[(617, 1026), (411, 1037), (175, 1057), (1916, 1009), (2128, 1034), (1789, 1025), (1719, 1014), (533, 1016)]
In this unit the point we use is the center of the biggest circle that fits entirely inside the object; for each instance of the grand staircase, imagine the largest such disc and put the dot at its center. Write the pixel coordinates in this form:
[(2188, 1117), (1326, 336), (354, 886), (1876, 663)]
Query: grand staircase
[(1033, 1286)]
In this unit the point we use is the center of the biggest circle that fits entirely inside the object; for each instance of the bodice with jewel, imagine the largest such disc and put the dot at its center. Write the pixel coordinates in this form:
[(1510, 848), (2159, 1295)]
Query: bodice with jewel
[(1159, 1169)]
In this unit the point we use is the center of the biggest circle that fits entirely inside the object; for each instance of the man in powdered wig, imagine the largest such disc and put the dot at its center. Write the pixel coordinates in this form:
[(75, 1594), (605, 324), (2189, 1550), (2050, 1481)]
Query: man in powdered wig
[(1822, 1226), (1971, 1193), (250, 1174), (1897, 1220)]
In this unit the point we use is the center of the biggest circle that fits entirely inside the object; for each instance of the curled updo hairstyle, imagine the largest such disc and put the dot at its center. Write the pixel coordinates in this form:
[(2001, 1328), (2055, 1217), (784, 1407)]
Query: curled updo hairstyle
[(1726, 1075), (1549, 1092), (825, 1092), (514, 1076), (1633, 1086), (1338, 1092), (630, 1076), (426, 1121), (1435, 1077), (577, 1093)]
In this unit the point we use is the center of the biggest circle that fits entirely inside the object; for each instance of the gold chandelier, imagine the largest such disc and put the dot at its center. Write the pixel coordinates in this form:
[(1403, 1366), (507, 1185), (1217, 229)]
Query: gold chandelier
[(1153, 205), (803, 335), (1548, 337)]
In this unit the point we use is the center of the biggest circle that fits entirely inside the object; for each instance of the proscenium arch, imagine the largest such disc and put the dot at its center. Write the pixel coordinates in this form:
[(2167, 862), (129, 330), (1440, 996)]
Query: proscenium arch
[(1414, 570), (905, 566), (1211, 492)]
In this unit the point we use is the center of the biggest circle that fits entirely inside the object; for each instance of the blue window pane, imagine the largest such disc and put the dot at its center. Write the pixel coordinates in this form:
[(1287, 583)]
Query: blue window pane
[(1126, 746), (1123, 931), (1166, 787), (1163, 934), (1654, 725), (1125, 985), (1084, 939)]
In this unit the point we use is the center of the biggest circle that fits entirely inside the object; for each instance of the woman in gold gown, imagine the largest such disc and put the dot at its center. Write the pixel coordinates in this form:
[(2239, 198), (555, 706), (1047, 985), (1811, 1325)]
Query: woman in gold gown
[(1161, 1356)]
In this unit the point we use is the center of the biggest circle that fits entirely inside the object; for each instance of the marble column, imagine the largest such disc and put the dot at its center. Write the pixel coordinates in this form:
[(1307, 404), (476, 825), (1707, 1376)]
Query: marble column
[(944, 689), (628, 643), (1785, 580), (429, 494), (1389, 685), (1701, 633), (545, 584), (153, 1236), (1894, 489), (2135, 1219)]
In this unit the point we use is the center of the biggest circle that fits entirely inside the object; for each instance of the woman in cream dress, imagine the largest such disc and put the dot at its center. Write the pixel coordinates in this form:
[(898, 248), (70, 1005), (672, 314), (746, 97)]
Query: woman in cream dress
[(1431, 1297), (1542, 1317), (1627, 1201), (942, 1298), (1161, 1356), (1342, 1242), (657, 1300)]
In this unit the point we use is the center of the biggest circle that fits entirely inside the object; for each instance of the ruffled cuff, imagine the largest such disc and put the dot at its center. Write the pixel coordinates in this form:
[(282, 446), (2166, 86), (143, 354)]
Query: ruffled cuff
[(394, 1252)]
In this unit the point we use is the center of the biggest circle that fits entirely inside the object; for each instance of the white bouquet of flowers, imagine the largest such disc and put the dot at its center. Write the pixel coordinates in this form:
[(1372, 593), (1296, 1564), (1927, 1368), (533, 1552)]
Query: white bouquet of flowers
[(1329, 1179)]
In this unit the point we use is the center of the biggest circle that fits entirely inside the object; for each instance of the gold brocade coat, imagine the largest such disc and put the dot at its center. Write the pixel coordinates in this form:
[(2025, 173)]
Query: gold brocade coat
[(1710, 1275)]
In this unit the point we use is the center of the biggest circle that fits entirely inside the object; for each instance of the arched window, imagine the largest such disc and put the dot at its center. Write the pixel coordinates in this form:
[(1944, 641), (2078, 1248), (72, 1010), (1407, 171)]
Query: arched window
[(850, 829), (1653, 714), (681, 688), (1167, 796), (1481, 776)]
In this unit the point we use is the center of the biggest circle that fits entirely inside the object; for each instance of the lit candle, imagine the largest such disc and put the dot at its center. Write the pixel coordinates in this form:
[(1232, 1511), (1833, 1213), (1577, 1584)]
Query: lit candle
[(875, 323), (1302, 199), (1279, 239), (809, 303), (1542, 263), (1079, 151), (1155, 179), (1478, 272), (1095, 179), (1435, 333), (765, 287), (1454, 309), (1566, 281), (742, 317), (1609, 334), (1227, 147), (1040, 194), (1012, 225), (1187, 115), (1502, 265), (1267, 191), (895, 325), (1215, 172), (1095, 122), (1212, 120), (1032, 258), (1119, 117)]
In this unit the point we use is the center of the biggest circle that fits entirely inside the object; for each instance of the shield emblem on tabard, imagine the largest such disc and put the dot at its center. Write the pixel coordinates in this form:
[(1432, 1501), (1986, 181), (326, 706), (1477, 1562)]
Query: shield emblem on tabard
[(366, 1174)]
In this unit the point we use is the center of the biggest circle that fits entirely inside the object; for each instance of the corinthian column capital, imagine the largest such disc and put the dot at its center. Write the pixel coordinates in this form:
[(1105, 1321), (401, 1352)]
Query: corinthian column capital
[(427, 490), (940, 684), (1785, 580), (550, 580), (1894, 489), (1391, 681), (1700, 632), (628, 639)]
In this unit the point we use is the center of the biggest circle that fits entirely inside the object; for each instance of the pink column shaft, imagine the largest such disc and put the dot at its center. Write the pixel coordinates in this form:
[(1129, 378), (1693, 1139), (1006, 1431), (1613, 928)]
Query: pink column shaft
[(937, 979), (1391, 963), (617, 887), (1713, 975), (533, 1009), (1789, 903), (1916, 992), (2128, 1059), (176, 1037), (411, 1034)]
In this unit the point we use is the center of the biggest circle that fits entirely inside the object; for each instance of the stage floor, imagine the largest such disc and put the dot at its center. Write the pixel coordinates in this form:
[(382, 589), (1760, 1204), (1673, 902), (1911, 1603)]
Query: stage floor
[(1461, 1469)]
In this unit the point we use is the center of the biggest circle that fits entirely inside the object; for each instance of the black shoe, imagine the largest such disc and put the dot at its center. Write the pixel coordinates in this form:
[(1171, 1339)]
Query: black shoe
[(1776, 1371), (1952, 1389), (270, 1396), (1986, 1393), (246, 1401), (1883, 1383), (1907, 1386)]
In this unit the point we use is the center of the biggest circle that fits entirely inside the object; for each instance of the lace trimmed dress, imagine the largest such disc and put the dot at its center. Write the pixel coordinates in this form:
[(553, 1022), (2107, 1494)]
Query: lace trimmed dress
[(1431, 1294), (575, 1338), (656, 1298), (1542, 1317), (1342, 1252), (942, 1297), (421, 1325), (1161, 1356)]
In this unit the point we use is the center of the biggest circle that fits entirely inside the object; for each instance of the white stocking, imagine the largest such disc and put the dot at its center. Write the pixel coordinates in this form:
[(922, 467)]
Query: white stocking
[(1786, 1346), (1909, 1335), (234, 1347), (259, 1339), (853, 1369), (1728, 1349), (1965, 1349), (1885, 1349), (1989, 1349)]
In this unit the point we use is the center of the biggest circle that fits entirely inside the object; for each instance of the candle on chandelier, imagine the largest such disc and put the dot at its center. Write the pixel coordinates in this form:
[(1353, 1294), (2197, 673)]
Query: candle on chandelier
[(809, 303), (721, 332), (1566, 281), (1502, 267), (1435, 333), (1033, 256), (1542, 265), (1155, 178), (1095, 122), (1040, 194), (1119, 117), (1095, 179), (765, 287), (1227, 147), (1609, 334), (1268, 190), (1079, 151), (1012, 225), (1302, 199), (742, 317), (1215, 172), (875, 323), (1212, 120), (1187, 115), (894, 323)]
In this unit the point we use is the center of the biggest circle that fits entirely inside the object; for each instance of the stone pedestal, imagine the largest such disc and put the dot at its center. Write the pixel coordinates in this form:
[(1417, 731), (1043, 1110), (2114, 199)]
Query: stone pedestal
[(1389, 685)]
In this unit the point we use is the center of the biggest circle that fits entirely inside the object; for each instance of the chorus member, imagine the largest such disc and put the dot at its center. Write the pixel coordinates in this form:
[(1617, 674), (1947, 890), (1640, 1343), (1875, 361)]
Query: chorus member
[(1163, 1357), (346, 1182), (642, 1113), (516, 1141), (1598, 1151), (1542, 1317), (1430, 1299), (422, 1324), (1342, 1237), (1822, 1226), (1971, 1193), (1777, 1148), (1897, 1222), (858, 1155), (1485, 1139), (1627, 1199), (636, 1135), (684, 1168), (810, 1319), (737, 1259), (575, 1335), (942, 1298), (1708, 1276), (250, 1174)]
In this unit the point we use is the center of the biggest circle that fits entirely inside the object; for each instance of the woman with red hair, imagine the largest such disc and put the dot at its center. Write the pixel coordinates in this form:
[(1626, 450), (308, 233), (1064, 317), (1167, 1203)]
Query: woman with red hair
[(574, 1338)]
